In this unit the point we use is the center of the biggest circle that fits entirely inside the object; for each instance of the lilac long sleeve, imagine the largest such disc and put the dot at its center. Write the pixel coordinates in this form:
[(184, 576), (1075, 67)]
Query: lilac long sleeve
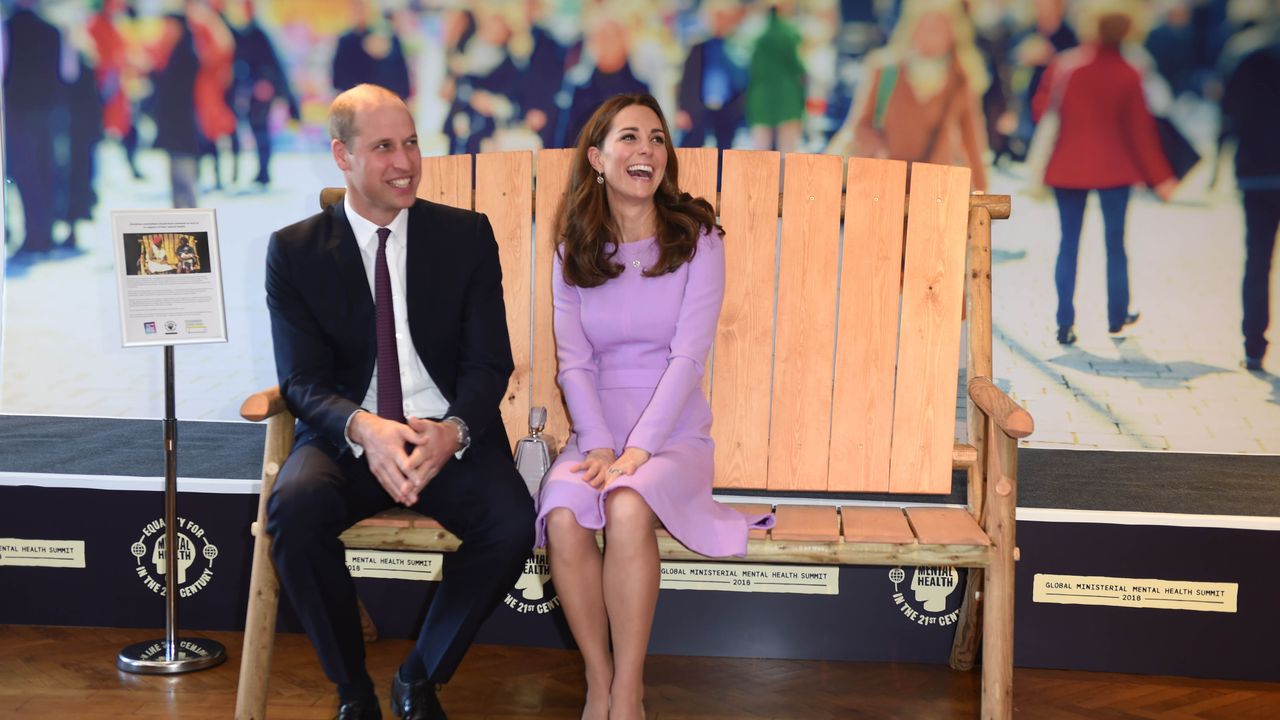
[(686, 361), (578, 375)]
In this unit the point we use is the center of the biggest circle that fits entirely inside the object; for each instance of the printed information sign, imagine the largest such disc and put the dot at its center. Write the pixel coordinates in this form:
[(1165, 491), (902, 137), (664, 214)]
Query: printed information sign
[(169, 277), (1135, 592), (42, 553), (737, 577), (395, 565)]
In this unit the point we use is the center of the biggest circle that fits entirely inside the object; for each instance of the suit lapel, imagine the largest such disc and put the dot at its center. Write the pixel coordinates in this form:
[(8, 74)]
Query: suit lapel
[(345, 251), (423, 263), (352, 287), (426, 268)]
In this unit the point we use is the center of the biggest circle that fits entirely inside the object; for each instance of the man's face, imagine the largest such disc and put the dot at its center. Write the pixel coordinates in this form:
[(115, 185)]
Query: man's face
[(381, 162)]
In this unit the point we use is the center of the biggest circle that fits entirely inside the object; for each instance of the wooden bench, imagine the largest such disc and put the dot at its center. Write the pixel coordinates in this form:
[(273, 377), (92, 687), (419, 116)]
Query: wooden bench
[(834, 370)]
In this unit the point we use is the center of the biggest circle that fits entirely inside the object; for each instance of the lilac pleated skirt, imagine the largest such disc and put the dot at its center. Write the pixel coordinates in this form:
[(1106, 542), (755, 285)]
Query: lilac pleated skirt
[(675, 482)]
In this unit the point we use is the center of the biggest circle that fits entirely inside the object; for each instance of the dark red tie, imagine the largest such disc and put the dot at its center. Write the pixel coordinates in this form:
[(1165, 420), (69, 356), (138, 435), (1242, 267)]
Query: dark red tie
[(390, 399)]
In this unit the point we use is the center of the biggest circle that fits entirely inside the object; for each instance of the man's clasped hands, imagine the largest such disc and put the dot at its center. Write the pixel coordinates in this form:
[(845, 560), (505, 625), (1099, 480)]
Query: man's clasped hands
[(403, 456)]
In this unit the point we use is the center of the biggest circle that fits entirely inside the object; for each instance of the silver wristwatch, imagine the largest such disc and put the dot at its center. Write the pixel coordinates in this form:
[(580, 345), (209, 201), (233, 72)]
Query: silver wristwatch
[(464, 432)]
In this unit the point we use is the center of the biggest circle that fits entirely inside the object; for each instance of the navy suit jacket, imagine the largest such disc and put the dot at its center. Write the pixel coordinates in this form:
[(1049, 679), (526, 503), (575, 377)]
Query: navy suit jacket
[(322, 319)]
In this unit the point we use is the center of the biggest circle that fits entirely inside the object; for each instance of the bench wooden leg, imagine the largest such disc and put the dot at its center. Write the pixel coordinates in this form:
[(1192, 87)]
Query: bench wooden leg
[(259, 632), (997, 650), (964, 648), (997, 631), (367, 629), (264, 586)]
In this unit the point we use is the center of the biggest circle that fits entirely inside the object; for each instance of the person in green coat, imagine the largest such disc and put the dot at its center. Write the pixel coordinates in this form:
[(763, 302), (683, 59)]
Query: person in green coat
[(775, 94)]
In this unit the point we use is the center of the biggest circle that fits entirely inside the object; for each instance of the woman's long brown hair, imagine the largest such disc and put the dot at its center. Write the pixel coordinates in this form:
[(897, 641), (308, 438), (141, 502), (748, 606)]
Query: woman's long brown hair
[(587, 236)]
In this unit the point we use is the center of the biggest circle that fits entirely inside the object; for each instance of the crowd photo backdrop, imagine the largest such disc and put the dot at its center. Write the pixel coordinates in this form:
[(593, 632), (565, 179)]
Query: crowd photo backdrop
[(140, 104)]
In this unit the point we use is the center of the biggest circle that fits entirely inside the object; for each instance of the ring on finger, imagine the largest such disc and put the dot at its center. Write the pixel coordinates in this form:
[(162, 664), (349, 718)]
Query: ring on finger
[(615, 471)]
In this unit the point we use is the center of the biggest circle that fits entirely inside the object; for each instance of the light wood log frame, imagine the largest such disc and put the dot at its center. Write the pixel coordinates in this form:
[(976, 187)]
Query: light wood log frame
[(977, 292), (989, 460), (978, 310), (264, 587)]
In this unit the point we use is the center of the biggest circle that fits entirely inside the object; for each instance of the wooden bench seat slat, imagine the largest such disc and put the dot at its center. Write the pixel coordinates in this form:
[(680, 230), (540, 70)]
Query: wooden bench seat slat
[(399, 517), (419, 539), (946, 526), (808, 523), (395, 517), (876, 525), (753, 509)]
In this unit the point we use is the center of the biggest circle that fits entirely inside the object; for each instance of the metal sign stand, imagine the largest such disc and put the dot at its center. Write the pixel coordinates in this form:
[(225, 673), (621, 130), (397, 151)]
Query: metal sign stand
[(172, 654)]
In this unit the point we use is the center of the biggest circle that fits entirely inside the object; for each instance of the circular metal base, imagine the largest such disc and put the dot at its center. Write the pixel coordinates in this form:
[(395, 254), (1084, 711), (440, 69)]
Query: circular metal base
[(147, 658)]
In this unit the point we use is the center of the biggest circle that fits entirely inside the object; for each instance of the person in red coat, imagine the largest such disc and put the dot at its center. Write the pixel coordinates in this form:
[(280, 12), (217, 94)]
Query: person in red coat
[(116, 73), (215, 48), (1107, 142)]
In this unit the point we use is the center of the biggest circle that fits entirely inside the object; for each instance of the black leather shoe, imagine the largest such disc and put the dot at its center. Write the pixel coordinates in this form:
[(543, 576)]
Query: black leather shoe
[(415, 700), (1129, 319), (359, 710)]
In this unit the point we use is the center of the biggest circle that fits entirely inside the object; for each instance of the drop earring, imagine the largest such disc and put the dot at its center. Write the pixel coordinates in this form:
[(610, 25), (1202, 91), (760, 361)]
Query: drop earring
[(599, 178)]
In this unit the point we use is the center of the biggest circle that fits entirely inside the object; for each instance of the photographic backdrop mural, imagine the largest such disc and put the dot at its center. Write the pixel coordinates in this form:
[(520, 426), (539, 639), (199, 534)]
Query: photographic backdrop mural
[(1131, 286)]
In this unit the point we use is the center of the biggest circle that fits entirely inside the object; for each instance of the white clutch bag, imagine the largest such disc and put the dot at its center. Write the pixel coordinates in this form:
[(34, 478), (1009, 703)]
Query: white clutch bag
[(533, 455)]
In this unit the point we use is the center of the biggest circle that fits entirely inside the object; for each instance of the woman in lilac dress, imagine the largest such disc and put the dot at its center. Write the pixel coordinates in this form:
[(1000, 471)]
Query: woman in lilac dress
[(637, 283)]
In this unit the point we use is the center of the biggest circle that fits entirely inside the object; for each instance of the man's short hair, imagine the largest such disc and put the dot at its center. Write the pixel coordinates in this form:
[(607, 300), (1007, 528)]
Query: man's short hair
[(343, 110)]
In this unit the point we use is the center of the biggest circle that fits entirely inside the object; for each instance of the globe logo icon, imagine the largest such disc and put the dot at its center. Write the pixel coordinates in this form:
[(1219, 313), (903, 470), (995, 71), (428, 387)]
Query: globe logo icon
[(896, 576)]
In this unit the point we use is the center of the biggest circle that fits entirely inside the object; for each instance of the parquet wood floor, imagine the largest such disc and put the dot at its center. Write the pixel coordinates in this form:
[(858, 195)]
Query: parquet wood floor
[(56, 672)]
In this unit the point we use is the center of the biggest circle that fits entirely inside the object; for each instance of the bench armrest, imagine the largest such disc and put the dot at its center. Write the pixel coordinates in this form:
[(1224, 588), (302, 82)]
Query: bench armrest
[(263, 404), (1009, 416)]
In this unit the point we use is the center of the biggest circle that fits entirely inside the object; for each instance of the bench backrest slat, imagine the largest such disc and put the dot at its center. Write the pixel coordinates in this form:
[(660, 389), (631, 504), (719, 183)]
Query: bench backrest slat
[(552, 182), (924, 413), (805, 335), (742, 361), (866, 339), (446, 180), (504, 192), (698, 168), (698, 173)]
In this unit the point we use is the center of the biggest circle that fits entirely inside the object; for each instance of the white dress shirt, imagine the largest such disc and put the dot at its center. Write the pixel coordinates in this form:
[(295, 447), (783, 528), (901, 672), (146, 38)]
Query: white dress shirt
[(421, 396)]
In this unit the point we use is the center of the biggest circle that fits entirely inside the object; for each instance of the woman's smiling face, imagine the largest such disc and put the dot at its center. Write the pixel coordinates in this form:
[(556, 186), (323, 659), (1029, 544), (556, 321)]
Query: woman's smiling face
[(633, 156)]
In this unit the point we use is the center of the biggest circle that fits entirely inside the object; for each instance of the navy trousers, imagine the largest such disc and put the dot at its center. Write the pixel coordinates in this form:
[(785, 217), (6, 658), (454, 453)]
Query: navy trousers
[(29, 142), (1261, 221), (320, 492), (721, 124), (1071, 204)]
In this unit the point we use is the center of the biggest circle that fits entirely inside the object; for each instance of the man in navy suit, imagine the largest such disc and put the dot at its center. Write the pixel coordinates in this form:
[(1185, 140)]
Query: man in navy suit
[(392, 350)]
